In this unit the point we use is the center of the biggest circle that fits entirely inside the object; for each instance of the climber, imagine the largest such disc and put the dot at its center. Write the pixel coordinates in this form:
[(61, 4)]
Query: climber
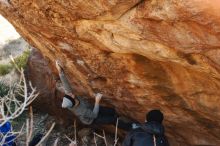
[(88, 115), (151, 133)]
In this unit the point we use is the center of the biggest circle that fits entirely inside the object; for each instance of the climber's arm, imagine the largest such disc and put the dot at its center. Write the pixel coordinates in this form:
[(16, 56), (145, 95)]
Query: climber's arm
[(94, 113), (65, 82)]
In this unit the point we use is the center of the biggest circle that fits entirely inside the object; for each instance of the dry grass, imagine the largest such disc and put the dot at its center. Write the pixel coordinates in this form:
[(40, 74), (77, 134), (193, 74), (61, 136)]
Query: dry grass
[(5, 69)]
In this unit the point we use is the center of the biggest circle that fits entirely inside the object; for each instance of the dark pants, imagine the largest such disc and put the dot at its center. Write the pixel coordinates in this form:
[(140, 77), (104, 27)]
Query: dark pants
[(109, 116)]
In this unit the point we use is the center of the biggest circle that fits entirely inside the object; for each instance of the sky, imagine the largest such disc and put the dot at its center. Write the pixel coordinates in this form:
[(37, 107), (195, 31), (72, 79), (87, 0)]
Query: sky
[(7, 31)]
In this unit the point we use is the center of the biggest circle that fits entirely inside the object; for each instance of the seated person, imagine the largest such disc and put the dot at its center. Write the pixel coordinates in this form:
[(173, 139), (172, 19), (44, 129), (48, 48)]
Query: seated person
[(151, 133)]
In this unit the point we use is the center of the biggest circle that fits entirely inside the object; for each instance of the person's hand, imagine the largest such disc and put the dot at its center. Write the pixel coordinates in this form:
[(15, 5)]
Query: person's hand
[(135, 126), (98, 97), (72, 95), (58, 65)]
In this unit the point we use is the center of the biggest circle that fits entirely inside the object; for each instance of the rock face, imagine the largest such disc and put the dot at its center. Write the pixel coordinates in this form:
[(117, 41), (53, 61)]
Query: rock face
[(141, 54)]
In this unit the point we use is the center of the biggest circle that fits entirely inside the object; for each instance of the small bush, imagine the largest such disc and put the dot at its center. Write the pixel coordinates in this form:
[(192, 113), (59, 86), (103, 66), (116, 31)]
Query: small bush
[(3, 89), (5, 69), (21, 61)]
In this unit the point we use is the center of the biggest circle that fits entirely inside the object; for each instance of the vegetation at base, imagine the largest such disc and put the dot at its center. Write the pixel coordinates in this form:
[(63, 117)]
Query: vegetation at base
[(3, 89), (21, 61), (5, 69)]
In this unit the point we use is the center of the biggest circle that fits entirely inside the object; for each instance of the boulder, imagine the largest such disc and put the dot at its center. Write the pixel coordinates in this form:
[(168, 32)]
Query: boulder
[(141, 54)]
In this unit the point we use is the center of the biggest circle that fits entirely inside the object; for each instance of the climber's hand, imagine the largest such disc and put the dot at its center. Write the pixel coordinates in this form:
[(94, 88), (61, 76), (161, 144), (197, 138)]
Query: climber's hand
[(98, 97), (71, 95), (58, 66)]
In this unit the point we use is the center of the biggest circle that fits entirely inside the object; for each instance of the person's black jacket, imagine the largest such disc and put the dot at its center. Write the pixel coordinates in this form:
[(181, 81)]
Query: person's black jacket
[(144, 135)]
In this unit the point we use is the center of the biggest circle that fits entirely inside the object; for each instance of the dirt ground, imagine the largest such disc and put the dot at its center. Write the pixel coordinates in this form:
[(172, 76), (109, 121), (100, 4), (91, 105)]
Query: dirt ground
[(42, 123)]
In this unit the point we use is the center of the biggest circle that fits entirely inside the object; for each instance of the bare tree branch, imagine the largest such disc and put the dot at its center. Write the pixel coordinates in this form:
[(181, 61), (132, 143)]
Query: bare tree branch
[(103, 137), (18, 98), (48, 133), (116, 134)]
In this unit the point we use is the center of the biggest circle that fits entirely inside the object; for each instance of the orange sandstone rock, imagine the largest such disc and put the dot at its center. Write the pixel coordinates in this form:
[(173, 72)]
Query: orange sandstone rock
[(141, 54)]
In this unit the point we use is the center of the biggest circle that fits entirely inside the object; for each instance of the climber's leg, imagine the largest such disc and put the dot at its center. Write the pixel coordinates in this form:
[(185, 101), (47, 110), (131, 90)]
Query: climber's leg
[(106, 119), (106, 111), (109, 116), (112, 120), (127, 126), (106, 116)]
